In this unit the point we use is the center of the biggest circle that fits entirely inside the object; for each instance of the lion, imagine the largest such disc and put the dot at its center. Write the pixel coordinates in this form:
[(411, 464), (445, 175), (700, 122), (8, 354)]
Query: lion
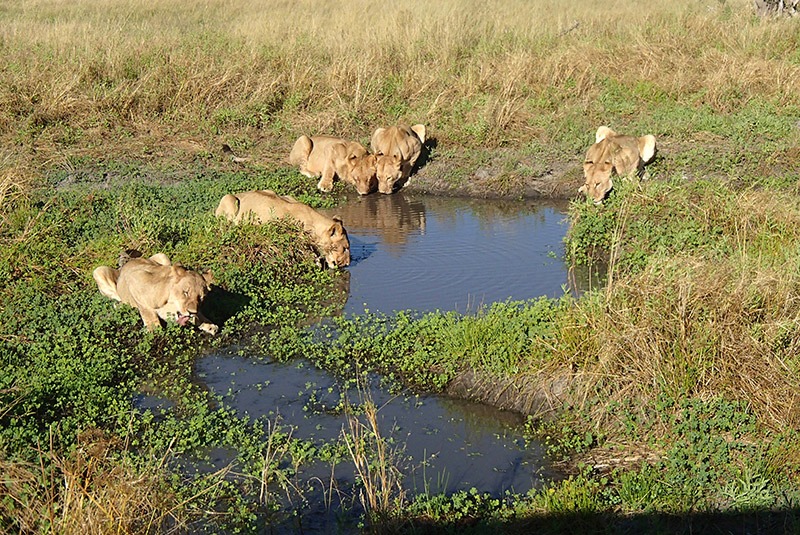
[(159, 289), (613, 154), (397, 149), (326, 157), (329, 234)]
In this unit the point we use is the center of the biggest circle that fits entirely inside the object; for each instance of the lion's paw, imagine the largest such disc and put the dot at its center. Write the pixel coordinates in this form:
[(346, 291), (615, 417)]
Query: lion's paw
[(210, 328)]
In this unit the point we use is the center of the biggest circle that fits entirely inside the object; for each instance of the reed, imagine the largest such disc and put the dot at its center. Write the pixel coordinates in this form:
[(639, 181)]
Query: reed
[(381, 492)]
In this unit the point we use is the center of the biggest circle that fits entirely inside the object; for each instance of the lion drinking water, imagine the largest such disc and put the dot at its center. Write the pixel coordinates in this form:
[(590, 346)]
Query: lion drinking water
[(327, 157), (159, 290), (613, 154), (329, 234), (397, 149)]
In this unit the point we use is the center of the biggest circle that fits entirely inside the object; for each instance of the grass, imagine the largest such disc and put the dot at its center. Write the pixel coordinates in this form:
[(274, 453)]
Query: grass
[(99, 82), (676, 384), (376, 464)]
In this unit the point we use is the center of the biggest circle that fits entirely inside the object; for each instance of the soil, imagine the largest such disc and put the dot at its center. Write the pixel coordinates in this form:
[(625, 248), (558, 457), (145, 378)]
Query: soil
[(486, 174), (492, 179)]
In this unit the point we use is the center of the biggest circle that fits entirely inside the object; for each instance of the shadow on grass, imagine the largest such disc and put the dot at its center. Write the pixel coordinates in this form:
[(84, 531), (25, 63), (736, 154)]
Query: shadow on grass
[(425, 156), (752, 523), (220, 304)]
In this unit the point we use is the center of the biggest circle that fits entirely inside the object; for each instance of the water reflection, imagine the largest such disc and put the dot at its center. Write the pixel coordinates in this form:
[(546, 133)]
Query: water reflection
[(393, 217), (442, 445), (429, 253)]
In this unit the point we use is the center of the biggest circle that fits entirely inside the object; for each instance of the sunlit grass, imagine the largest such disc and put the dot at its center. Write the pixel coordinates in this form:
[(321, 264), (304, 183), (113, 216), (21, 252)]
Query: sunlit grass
[(172, 80)]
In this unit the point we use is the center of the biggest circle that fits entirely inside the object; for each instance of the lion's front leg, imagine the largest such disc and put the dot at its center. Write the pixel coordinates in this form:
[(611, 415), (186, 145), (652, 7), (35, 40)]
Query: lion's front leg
[(305, 172), (204, 324), (326, 182), (150, 319), (406, 169), (210, 328)]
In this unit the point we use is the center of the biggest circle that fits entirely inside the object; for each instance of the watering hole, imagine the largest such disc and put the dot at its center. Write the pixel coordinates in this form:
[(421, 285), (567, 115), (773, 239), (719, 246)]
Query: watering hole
[(423, 254), (438, 253)]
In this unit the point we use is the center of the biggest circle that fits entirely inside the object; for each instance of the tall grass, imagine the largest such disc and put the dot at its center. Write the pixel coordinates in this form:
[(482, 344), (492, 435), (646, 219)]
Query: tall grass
[(106, 79), (98, 488), (703, 307), (376, 461)]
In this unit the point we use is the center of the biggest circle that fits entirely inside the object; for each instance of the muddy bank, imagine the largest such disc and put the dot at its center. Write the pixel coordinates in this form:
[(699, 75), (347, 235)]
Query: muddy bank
[(483, 173), (541, 395), (497, 174)]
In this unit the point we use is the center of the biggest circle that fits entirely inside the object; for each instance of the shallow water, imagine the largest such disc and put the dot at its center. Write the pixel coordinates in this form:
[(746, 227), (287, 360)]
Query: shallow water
[(435, 253), (440, 444)]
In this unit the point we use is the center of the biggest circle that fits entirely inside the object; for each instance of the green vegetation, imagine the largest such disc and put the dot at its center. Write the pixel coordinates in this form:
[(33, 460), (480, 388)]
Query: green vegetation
[(73, 361), (512, 87), (675, 387)]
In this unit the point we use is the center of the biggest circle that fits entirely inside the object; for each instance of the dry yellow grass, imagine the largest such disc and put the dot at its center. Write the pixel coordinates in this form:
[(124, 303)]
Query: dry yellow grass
[(100, 79), (699, 325), (92, 490)]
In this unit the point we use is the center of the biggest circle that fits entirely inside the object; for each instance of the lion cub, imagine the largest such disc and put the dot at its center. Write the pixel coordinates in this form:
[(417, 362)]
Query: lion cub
[(397, 149), (158, 289), (328, 233), (326, 157), (613, 154)]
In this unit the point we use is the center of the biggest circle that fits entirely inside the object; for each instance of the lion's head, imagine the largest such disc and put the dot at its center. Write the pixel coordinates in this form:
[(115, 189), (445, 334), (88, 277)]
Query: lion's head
[(361, 167), (613, 154), (397, 149), (335, 245), (188, 290), (390, 171)]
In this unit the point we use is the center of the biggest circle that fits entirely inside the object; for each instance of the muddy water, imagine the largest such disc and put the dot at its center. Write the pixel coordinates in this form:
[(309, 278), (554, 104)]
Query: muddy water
[(422, 254)]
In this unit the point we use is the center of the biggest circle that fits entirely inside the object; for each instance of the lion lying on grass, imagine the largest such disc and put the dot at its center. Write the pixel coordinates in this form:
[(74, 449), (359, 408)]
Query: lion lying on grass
[(397, 149), (159, 290), (326, 157), (613, 154), (328, 233)]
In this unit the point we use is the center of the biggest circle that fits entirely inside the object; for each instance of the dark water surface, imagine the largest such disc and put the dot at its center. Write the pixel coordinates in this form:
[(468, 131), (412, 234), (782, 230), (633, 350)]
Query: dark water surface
[(440, 444), (436, 253)]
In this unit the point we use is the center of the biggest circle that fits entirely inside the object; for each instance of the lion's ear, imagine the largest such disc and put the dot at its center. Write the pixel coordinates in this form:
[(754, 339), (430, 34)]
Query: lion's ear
[(208, 277), (602, 133), (337, 228), (419, 129), (647, 147)]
